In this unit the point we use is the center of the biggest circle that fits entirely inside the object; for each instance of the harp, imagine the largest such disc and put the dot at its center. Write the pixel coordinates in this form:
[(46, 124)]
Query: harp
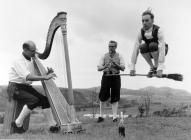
[(63, 110)]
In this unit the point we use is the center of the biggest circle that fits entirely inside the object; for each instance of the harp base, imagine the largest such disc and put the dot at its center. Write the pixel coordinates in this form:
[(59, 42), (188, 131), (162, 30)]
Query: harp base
[(72, 128)]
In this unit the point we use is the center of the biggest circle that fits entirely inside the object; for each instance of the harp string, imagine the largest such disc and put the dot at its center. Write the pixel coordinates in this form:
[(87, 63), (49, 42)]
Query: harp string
[(56, 60)]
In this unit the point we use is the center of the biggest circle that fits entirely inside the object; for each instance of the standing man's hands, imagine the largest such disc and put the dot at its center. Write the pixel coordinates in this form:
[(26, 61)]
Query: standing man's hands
[(117, 65), (132, 73), (108, 65)]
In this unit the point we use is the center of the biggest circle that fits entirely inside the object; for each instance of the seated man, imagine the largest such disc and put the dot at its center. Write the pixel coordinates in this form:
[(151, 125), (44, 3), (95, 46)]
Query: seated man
[(21, 76), (111, 63), (153, 47)]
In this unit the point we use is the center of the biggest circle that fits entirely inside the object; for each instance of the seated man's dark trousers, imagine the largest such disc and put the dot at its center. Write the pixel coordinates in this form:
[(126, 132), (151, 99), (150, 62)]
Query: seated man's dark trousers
[(26, 94)]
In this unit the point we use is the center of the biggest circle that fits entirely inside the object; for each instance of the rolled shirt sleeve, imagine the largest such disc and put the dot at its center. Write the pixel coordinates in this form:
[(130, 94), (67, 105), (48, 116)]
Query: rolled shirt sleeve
[(161, 47), (21, 70), (135, 51)]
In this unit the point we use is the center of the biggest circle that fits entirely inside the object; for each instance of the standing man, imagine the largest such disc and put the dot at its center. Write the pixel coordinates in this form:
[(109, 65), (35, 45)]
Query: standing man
[(21, 76), (111, 63), (154, 46)]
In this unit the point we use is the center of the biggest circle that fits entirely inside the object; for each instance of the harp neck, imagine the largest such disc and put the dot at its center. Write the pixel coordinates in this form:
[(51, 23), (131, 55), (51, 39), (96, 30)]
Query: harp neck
[(58, 21)]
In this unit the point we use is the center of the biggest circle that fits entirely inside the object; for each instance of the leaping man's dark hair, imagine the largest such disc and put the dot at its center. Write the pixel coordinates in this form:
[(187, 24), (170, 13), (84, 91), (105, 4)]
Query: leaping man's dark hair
[(148, 12)]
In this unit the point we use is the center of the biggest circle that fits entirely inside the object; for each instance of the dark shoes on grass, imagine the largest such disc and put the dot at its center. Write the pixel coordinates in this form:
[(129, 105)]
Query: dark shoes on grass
[(20, 130), (17, 129), (54, 129), (115, 120), (100, 119)]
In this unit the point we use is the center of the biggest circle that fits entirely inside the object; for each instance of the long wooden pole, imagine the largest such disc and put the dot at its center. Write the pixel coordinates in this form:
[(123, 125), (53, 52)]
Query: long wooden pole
[(68, 69), (69, 77)]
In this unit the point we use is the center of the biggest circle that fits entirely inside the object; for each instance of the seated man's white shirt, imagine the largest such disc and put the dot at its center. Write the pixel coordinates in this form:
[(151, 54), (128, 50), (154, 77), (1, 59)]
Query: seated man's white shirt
[(20, 69)]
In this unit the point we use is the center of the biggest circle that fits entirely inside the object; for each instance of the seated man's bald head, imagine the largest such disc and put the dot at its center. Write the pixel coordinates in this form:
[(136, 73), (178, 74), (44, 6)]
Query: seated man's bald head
[(29, 49), (30, 45)]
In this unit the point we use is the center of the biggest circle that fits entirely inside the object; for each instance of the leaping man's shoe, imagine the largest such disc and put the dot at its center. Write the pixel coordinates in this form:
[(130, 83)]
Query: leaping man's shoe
[(152, 72)]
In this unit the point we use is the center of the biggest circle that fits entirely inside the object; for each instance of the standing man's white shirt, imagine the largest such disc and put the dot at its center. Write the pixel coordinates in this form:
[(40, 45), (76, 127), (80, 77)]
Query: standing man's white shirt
[(20, 69), (102, 61)]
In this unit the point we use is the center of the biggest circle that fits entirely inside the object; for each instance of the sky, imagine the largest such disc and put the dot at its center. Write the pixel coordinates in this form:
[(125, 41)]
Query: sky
[(91, 24)]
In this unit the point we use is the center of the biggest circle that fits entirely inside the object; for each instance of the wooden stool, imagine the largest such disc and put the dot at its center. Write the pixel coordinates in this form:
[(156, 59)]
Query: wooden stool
[(12, 111)]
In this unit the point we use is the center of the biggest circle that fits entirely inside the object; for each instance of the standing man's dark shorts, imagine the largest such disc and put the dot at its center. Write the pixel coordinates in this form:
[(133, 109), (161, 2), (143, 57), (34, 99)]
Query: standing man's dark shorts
[(108, 83)]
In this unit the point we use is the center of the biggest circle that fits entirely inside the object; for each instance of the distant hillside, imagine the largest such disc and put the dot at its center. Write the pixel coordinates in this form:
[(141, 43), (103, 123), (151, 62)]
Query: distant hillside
[(83, 97)]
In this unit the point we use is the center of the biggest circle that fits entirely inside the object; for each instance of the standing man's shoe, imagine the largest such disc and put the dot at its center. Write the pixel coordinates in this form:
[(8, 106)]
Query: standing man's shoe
[(100, 119), (115, 120), (17, 129)]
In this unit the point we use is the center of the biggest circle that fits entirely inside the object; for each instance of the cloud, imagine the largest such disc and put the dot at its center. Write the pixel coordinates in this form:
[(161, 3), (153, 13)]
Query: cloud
[(103, 17), (91, 24)]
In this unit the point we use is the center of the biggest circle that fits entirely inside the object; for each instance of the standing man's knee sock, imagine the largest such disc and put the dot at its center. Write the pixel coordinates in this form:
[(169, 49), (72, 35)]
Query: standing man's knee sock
[(49, 116), (24, 113), (101, 109), (114, 109)]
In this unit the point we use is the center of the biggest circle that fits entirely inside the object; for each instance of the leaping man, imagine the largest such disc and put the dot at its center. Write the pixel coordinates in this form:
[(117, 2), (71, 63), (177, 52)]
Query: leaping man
[(154, 46)]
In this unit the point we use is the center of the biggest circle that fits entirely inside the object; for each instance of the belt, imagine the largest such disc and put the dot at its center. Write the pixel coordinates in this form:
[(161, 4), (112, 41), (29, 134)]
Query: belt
[(109, 72), (18, 84)]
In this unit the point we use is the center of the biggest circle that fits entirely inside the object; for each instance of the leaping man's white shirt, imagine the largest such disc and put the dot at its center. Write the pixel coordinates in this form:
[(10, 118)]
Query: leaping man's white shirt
[(161, 46)]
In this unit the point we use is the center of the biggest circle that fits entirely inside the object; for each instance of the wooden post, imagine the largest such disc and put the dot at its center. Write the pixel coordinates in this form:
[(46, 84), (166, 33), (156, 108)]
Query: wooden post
[(12, 111), (67, 60), (69, 78)]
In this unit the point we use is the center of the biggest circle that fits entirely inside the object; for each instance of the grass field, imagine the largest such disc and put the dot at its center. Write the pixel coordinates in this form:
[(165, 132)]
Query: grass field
[(151, 128)]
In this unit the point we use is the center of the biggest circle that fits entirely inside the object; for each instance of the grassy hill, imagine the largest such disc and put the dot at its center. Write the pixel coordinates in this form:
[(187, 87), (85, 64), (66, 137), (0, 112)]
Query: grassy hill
[(84, 97)]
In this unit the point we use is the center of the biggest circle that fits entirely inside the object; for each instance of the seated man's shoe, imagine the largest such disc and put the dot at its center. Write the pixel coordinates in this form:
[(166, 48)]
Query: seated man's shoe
[(17, 129), (100, 119), (115, 120), (54, 129), (152, 72)]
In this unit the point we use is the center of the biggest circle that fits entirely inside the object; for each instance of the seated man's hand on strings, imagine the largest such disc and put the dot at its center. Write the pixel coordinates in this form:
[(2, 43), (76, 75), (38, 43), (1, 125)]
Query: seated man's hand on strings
[(50, 74), (50, 70)]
